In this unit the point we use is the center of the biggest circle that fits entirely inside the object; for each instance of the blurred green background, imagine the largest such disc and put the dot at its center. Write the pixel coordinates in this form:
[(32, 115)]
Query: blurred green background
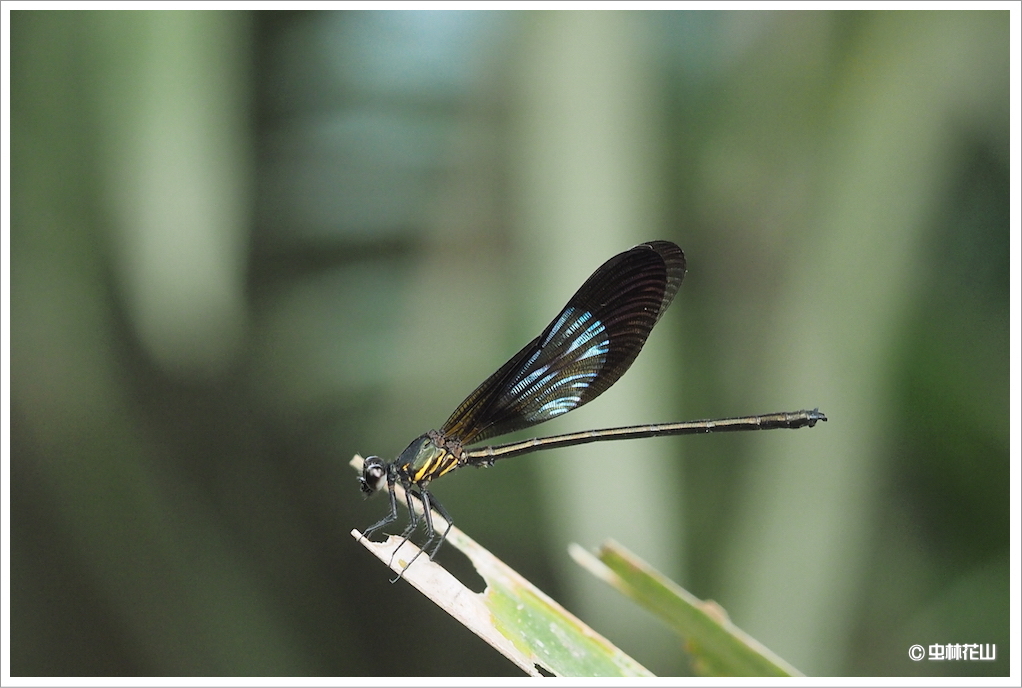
[(245, 246)]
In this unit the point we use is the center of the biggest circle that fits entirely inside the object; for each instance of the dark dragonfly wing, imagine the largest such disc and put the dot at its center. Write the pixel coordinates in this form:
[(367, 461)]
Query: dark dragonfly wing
[(587, 347)]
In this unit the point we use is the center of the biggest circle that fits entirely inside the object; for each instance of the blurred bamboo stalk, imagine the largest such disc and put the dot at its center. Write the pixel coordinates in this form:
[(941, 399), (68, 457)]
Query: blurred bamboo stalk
[(807, 512), (587, 181)]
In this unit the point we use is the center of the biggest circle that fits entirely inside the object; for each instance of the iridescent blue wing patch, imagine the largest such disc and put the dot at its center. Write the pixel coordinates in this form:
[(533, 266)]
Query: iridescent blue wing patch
[(587, 347)]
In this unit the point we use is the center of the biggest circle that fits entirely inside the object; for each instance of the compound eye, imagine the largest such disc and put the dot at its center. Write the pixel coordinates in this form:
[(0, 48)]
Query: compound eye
[(374, 475)]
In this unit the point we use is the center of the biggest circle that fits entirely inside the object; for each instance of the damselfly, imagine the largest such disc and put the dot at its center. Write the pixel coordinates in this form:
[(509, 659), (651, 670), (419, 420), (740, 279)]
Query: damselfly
[(587, 347)]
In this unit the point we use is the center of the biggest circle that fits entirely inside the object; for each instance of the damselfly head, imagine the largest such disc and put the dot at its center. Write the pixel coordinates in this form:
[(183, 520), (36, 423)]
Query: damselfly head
[(374, 476)]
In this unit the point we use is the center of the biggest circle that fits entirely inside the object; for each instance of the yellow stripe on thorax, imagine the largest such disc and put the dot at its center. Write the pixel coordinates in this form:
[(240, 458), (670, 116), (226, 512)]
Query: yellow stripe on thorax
[(444, 462)]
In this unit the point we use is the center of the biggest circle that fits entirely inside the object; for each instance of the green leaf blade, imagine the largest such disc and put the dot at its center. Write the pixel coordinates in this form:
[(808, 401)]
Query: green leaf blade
[(717, 646), (512, 615)]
